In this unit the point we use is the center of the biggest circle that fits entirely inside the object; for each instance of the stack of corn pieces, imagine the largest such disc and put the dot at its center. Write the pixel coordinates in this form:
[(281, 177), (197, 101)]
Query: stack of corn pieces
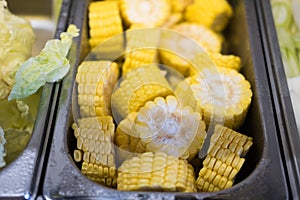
[(139, 128)]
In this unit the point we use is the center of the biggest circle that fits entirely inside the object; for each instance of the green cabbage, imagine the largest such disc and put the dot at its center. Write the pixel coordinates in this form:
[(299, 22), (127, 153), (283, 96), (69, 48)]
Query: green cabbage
[(2, 150), (49, 66), (16, 39)]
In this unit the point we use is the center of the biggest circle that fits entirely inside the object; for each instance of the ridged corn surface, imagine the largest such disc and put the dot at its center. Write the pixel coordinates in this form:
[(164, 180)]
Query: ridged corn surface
[(156, 171), (213, 14), (224, 159), (95, 149), (226, 61), (104, 22), (137, 87), (223, 96), (95, 83)]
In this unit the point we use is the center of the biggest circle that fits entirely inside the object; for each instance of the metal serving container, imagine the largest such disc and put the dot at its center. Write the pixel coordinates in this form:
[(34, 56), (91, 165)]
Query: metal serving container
[(264, 174), (20, 179), (287, 129)]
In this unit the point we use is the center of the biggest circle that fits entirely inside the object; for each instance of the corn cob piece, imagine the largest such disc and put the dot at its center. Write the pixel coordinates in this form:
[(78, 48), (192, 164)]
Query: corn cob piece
[(96, 80), (156, 171), (95, 149), (224, 159), (214, 14), (146, 12), (226, 61), (137, 87), (105, 22), (192, 40), (163, 125), (223, 96), (141, 47)]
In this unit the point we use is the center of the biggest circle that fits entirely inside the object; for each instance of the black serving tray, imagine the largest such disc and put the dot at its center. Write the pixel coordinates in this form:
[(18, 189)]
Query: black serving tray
[(20, 179), (287, 128), (263, 175)]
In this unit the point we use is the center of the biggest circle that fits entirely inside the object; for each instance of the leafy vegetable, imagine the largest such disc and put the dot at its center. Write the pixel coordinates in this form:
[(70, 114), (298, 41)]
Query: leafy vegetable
[(16, 39), (2, 150), (49, 66), (287, 20)]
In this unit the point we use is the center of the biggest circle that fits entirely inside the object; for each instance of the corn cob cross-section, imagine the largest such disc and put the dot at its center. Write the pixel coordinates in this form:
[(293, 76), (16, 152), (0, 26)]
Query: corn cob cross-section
[(163, 125), (214, 14), (156, 171), (96, 149), (223, 96), (95, 83), (138, 86), (146, 12), (224, 159), (105, 22)]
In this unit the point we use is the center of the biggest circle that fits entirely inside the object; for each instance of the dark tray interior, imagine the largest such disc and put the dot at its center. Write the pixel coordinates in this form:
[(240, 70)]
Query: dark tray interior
[(262, 176), (21, 177), (287, 129)]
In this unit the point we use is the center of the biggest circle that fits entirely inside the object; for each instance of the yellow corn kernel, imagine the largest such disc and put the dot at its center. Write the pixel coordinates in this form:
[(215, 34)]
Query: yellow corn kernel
[(104, 22), (146, 12), (154, 176), (214, 14), (137, 87), (96, 80)]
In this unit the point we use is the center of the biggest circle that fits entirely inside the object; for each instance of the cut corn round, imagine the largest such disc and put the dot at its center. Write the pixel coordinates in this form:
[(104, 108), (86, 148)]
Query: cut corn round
[(213, 14), (95, 149), (147, 12), (226, 61), (172, 20), (141, 47), (180, 5), (104, 21), (223, 96), (138, 86), (163, 125), (95, 83), (222, 164), (156, 171)]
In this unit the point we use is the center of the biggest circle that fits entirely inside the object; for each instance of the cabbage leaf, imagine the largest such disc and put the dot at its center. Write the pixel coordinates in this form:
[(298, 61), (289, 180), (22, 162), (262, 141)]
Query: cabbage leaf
[(50, 65)]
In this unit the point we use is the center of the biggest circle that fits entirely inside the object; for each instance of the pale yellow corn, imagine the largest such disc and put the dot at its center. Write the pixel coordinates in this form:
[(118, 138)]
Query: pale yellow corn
[(95, 83), (223, 96), (226, 61), (213, 14), (137, 87), (224, 159), (141, 47), (95, 149), (163, 125), (156, 171), (146, 12)]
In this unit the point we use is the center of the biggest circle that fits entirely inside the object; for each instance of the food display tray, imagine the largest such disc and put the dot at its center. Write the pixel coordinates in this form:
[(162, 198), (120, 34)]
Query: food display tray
[(20, 179), (264, 174)]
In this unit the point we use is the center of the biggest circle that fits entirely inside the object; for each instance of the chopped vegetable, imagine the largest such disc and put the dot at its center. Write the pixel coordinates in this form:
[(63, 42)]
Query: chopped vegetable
[(95, 147), (146, 12), (137, 87), (224, 159), (2, 149), (49, 66), (163, 125), (213, 14), (96, 81), (156, 171), (223, 96), (16, 39), (287, 22)]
